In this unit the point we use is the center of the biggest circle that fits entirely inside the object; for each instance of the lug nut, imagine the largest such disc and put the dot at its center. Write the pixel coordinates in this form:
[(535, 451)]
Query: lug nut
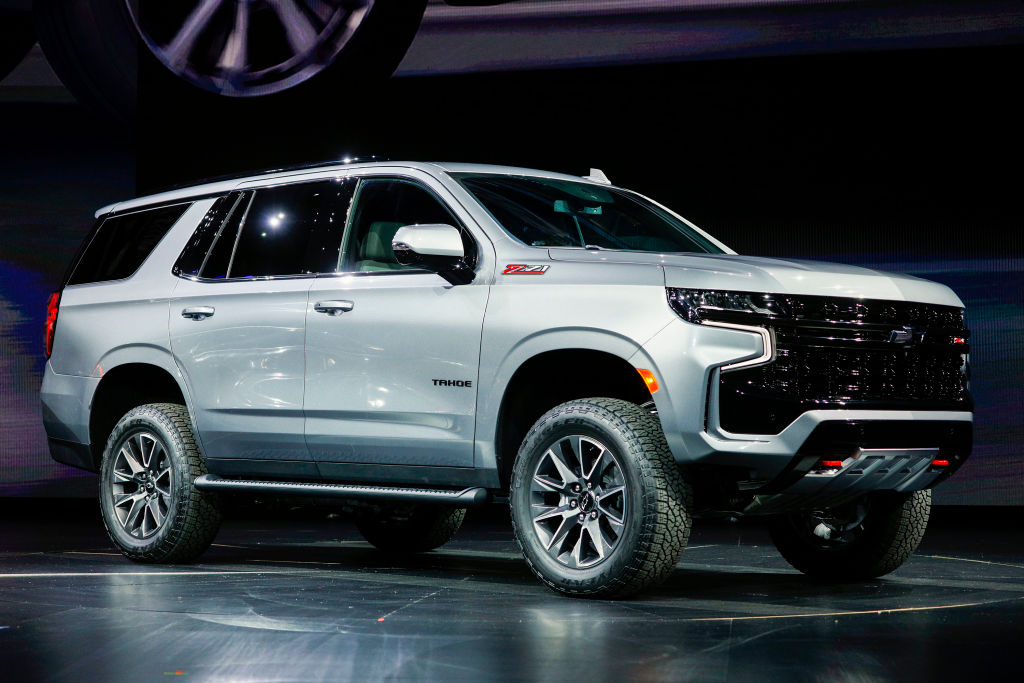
[(582, 516), (593, 515), (572, 503), (589, 486), (575, 488)]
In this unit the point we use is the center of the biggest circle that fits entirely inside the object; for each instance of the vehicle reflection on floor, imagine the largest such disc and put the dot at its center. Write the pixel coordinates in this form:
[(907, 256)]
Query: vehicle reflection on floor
[(304, 598)]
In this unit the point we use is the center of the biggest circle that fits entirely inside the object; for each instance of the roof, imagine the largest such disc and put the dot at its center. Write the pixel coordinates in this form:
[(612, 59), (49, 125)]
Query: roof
[(226, 185)]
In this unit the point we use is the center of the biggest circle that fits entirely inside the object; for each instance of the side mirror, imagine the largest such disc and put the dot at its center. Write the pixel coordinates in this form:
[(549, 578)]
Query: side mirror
[(435, 247)]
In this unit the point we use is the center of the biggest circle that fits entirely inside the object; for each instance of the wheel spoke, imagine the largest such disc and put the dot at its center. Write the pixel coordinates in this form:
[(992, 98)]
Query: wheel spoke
[(301, 34), (577, 549), (121, 477), (548, 484), (613, 516), (550, 512), (145, 454), (564, 471), (597, 469), (613, 491), (597, 538), (131, 520), (133, 463), (156, 512), (121, 498), (568, 521), (178, 50), (235, 54)]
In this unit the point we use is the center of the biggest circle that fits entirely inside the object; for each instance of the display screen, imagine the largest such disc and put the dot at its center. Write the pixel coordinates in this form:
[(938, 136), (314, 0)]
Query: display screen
[(874, 134)]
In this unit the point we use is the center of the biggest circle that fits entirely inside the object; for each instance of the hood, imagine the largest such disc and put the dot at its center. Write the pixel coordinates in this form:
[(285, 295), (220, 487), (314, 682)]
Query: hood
[(783, 276)]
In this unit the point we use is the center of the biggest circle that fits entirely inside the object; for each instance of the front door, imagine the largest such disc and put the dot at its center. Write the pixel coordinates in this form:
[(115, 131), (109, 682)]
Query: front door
[(392, 351)]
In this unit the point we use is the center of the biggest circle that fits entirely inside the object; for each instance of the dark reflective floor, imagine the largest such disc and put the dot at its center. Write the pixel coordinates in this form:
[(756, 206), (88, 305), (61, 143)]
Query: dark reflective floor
[(303, 598)]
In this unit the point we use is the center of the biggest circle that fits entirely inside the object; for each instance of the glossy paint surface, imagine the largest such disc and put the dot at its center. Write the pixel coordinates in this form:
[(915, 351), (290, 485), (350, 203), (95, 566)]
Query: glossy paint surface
[(244, 365), (371, 394)]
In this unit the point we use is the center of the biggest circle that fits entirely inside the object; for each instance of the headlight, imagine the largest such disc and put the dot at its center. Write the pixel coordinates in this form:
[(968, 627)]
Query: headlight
[(699, 305)]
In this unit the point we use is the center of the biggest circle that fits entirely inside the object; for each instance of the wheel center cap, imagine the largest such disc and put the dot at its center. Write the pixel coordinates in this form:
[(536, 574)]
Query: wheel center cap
[(586, 502)]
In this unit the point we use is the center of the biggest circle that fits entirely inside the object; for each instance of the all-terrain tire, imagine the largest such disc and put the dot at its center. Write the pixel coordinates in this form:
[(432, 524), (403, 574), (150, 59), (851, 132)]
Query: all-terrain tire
[(892, 529), (191, 517), (411, 529), (655, 511)]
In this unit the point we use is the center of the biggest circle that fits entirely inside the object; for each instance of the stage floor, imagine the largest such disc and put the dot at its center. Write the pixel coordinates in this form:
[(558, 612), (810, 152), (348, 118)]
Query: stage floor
[(304, 598)]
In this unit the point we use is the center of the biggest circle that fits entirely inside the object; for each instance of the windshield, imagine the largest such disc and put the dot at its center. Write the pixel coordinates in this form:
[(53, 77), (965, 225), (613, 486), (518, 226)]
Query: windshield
[(545, 212)]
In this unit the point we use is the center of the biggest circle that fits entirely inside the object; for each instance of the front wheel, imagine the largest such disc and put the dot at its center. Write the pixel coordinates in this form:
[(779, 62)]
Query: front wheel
[(864, 539), (598, 504), (151, 509)]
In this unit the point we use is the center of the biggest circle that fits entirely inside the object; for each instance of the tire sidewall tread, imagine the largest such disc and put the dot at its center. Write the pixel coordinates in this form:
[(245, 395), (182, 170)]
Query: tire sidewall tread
[(193, 518)]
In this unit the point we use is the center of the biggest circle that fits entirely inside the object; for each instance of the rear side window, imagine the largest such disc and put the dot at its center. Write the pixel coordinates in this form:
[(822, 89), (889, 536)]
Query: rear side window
[(122, 243), (208, 253), (293, 230)]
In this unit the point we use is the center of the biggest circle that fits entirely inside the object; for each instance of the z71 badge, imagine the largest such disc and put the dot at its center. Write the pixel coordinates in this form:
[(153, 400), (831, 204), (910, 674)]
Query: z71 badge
[(523, 269)]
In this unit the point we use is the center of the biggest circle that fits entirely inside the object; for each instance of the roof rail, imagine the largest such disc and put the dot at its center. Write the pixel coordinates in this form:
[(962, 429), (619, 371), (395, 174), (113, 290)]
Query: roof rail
[(268, 171)]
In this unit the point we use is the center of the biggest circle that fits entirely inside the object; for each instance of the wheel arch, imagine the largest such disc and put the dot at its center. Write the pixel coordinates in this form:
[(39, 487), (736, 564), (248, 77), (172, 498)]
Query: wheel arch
[(550, 377), (126, 385)]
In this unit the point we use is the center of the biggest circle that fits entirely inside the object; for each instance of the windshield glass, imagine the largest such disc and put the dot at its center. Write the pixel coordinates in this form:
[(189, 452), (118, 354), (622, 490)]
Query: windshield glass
[(545, 212)]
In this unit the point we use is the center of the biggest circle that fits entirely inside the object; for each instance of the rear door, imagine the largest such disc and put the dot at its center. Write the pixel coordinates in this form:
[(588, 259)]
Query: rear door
[(391, 374), (237, 320)]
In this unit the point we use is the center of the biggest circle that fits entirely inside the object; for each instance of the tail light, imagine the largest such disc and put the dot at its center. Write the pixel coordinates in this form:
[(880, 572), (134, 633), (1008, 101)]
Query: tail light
[(51, 320)]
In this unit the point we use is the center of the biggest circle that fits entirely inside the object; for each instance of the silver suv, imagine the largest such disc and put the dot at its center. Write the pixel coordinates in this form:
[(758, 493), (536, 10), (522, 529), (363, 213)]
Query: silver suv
[(414, 339)]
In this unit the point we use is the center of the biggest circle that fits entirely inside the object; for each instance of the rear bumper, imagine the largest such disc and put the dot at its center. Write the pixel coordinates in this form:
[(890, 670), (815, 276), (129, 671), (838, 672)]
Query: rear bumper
[(66, 400)]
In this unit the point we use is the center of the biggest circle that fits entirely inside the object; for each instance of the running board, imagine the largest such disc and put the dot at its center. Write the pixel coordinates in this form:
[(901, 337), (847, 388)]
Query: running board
[(462, 498)]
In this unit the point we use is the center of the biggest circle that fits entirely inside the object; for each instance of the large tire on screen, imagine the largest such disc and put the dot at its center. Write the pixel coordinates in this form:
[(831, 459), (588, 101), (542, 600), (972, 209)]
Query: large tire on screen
[(599, 506), (16, 38), (410, 528), (861, 540), (150, 507), (99, 47)]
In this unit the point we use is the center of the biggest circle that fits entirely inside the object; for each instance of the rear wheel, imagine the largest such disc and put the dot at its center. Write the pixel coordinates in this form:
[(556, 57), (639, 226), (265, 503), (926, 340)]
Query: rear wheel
[(598, 504), (863, 539), (151, 509), (410, 528)]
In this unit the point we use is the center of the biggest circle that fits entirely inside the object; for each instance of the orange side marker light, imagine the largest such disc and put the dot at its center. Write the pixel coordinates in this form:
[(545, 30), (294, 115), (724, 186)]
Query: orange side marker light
[(649, 379)]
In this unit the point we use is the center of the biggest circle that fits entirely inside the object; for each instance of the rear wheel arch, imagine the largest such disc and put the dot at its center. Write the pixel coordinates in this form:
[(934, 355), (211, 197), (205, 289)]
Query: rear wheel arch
[(122, 388)]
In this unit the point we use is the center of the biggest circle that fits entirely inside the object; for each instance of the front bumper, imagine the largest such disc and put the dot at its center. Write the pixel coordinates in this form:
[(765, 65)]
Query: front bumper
[(687, 360)]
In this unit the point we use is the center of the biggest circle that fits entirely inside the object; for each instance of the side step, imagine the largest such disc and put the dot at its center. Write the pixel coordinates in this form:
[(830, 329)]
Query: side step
[(463, 498)]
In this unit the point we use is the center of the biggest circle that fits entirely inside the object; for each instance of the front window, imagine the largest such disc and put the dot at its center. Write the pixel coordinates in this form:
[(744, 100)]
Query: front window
[(545, 212)]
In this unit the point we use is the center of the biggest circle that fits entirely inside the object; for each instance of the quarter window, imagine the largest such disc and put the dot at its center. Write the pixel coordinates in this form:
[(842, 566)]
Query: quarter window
[(122, 243)]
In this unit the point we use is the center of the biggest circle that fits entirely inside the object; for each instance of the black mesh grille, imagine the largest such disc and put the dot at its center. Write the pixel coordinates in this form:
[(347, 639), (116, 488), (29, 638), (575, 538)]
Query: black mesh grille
[(850, 353)]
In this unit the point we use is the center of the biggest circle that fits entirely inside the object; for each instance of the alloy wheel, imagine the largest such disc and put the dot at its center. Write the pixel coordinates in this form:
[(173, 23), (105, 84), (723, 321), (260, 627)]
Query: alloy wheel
[(142, 484), (247, 47), (578, 501)]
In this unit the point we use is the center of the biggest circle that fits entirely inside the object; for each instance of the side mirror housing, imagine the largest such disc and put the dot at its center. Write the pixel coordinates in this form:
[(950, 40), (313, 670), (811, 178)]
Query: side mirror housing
[(436, 247)]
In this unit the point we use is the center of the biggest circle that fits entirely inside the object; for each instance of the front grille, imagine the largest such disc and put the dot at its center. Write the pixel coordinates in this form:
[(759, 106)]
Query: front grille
[(850, 353)]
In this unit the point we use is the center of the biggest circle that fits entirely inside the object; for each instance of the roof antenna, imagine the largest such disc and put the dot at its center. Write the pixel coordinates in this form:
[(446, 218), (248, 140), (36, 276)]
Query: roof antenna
[(598, 176)]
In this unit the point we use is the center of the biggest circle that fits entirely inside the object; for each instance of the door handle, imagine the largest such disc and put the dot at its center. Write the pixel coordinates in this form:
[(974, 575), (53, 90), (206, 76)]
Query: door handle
[(198, 312), (333, 307)]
